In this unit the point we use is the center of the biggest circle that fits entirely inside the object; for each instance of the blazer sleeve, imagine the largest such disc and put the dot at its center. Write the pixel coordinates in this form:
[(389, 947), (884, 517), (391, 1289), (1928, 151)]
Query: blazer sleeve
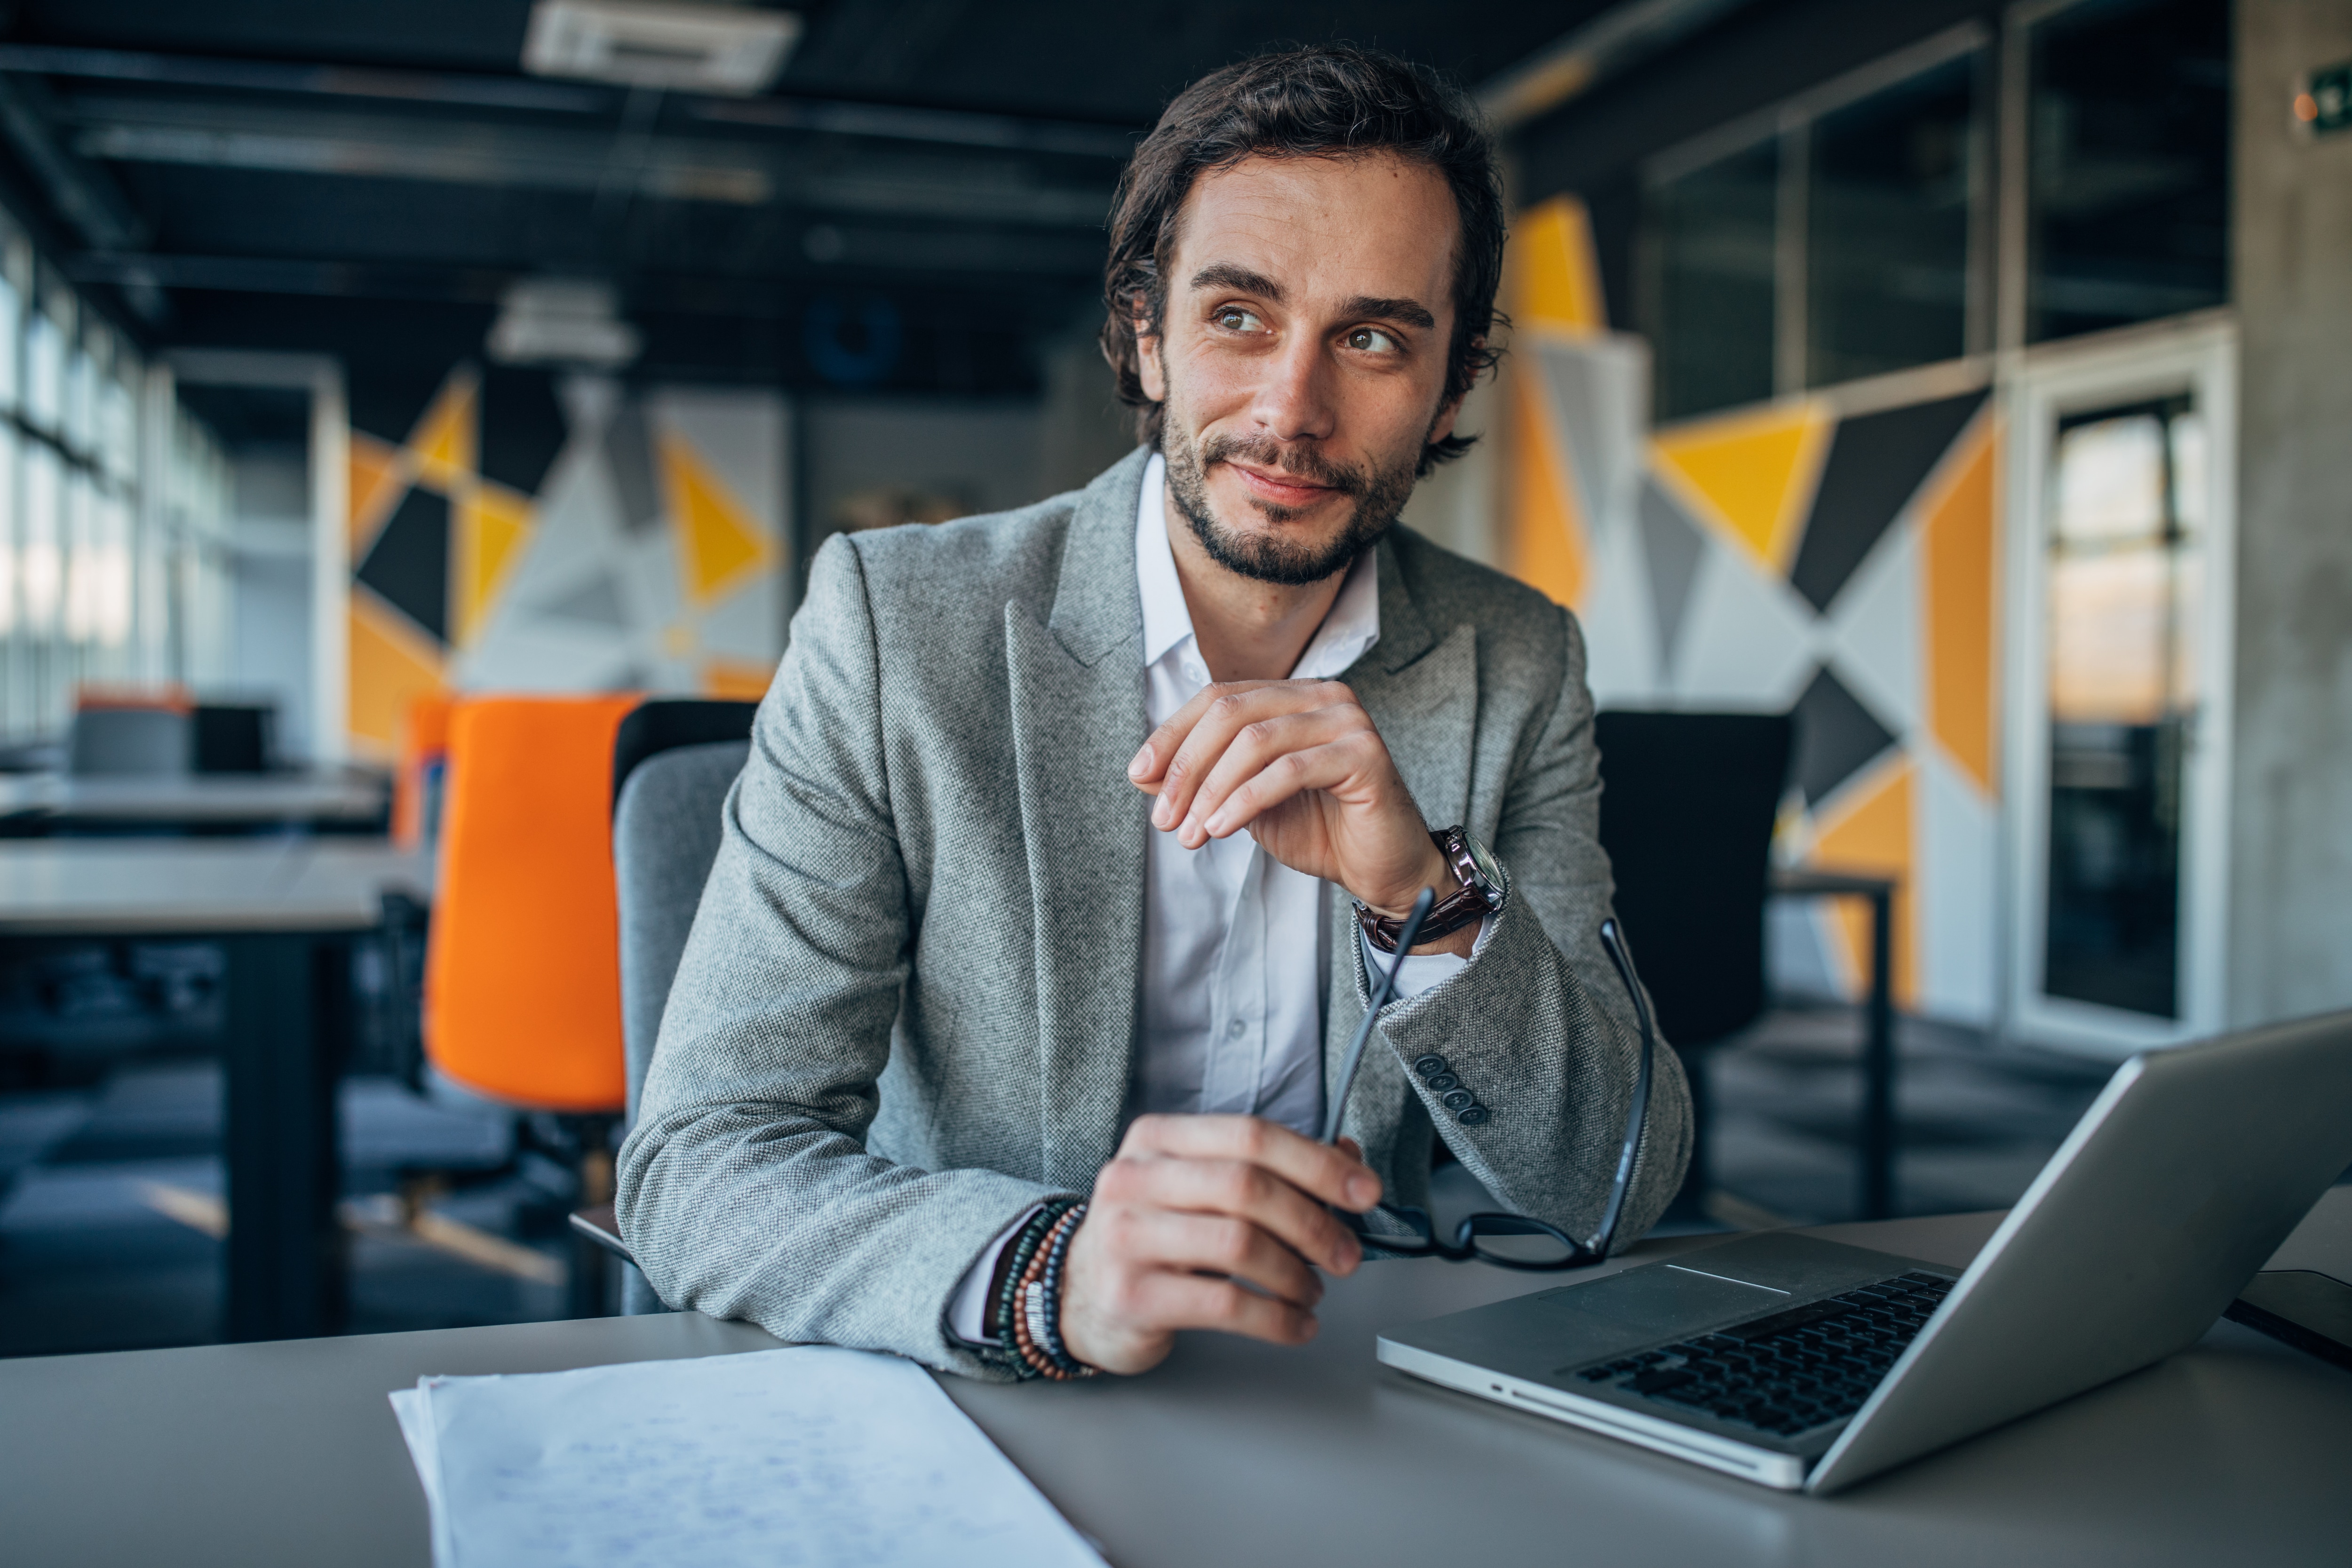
[(1539, 1028), (746, 1189)]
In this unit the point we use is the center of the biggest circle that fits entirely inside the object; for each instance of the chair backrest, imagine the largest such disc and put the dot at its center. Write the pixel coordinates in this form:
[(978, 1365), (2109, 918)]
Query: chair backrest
[(232, 738), (1688, 806), (127, 740), (673, 763), (522, 990)]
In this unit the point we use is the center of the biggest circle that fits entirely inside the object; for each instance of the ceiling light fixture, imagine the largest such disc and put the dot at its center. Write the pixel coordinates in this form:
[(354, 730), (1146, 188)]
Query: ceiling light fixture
[(695, 48), (562, 321)]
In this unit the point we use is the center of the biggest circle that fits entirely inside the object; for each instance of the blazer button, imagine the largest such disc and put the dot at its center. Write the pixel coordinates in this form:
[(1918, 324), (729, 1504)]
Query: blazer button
[(1472, 1115), (1460, 1099), (1444, 1081), (1428, 1065)]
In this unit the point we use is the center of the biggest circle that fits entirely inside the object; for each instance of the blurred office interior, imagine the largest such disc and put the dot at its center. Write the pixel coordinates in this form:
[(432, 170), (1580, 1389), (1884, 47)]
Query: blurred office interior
[(1965, 380)]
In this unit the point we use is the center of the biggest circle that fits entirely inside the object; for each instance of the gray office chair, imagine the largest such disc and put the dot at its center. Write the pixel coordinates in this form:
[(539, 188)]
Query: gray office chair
[(671, 774)]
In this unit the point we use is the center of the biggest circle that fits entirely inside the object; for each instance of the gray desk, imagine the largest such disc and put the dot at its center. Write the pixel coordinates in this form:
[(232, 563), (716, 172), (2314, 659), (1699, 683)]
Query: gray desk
[(1237, 1454), (45, 801), (285, 912)]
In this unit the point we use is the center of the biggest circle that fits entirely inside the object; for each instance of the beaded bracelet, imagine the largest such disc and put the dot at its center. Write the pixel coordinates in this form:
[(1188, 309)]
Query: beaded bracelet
[(1019, 1254), (1038, 1323)]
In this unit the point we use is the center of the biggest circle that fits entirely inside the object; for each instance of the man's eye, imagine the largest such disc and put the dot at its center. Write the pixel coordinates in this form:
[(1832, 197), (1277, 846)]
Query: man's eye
[(1371, 341), (1234, 319)]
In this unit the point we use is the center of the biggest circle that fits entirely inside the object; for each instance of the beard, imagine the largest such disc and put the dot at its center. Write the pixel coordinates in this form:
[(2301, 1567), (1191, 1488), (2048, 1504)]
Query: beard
[(1378, 494)]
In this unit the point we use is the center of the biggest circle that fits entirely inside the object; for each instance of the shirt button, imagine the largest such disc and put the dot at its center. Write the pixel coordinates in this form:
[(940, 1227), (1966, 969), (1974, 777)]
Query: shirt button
[(1235, 1028)]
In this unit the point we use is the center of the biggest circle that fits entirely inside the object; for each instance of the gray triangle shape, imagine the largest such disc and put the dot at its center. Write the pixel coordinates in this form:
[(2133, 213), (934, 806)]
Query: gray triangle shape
[(597, 602), (1582, 390), (1674, 549)]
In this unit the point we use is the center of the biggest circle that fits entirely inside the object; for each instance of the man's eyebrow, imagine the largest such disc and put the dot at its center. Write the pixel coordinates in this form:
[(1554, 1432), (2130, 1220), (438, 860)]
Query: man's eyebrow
[(1404, 312), (1226, 275)]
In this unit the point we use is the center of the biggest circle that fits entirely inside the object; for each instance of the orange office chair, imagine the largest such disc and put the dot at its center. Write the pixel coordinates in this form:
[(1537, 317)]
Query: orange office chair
[(523, 984)]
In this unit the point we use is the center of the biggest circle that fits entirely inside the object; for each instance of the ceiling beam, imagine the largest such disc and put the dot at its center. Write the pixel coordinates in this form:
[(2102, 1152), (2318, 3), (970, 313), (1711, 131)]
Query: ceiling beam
[(1613, 42), (844, 117), (123, 129)]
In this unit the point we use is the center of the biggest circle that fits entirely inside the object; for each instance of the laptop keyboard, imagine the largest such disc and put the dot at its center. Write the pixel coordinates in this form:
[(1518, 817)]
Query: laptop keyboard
[(1792, 1372)]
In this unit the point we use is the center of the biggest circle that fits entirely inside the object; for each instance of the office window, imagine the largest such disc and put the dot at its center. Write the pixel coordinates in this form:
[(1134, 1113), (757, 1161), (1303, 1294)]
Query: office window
[(1886, 245), (80, 420), (11, 325), (83, 571), (2129, 148), (118, 423), (11, 550), (42, 569), (1714, 276), (45, 370)]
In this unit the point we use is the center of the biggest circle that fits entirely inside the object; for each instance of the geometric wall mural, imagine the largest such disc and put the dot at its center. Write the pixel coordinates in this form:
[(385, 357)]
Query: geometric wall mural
[(1787, 557), (526, 532)]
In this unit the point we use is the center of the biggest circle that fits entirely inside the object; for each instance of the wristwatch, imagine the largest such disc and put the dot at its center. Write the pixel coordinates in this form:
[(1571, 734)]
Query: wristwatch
[(1483, 888)]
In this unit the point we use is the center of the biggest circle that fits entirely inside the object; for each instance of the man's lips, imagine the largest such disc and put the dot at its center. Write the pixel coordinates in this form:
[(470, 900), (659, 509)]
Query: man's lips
[(1279, 488)]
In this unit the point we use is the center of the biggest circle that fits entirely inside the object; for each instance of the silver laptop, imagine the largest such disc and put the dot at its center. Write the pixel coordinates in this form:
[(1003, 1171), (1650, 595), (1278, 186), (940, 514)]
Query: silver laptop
[(1803, 1364)]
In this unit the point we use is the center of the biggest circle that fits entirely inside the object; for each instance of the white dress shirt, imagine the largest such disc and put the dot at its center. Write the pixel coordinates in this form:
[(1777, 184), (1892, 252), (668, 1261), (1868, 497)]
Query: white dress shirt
[(1235, 944)]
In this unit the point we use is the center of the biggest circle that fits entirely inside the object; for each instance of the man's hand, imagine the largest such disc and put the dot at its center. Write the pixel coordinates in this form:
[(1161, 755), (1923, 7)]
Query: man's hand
[(1190, 1208), (1299, 764)]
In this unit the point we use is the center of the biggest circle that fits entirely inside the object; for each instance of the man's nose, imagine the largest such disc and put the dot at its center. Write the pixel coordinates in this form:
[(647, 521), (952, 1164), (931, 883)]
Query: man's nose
[(1294, 402)]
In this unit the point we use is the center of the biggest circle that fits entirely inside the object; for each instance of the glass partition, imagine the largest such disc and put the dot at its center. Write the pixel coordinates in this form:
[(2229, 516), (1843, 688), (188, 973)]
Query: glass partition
[(2125, 581), (1713, 267)]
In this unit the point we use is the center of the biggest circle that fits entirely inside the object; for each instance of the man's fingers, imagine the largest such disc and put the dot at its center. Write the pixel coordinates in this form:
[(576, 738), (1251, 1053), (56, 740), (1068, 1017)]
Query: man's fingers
[(1184, 751), (1250, 1194), (1266, 748), (1319, 1171), (1173, 1300), (1294, 774), (1152, 1238)]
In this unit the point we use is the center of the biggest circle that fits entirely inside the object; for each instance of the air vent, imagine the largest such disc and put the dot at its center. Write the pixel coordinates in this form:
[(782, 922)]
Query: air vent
[(699, 48)]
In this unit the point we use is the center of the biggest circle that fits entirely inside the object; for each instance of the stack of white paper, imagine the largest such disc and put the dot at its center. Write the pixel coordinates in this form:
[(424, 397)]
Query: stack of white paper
[(809, 1456)]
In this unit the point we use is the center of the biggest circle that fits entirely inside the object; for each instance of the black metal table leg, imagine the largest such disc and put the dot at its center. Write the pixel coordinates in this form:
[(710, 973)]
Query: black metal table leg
[(287, 1011), (1878, 1065)]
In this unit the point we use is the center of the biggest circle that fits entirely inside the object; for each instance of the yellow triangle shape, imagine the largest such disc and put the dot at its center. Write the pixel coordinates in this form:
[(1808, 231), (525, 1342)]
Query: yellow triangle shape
[(719, 541), (377, 475), (391, 666), (1869, 827), (1545, 545), (493, 525), (1555, 276), (446, 438), (1750, 475)]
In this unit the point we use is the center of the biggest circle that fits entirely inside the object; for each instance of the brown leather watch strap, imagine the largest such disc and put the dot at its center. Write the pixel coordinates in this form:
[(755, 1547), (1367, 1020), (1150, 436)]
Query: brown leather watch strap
[(1465, 904)]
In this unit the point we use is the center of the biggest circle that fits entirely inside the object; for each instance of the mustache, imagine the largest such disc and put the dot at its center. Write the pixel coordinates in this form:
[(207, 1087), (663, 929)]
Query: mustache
[(1299, 462)]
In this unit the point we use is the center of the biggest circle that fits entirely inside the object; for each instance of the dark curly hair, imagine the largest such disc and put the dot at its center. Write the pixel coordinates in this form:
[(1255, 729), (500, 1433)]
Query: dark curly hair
[(1330, 102)]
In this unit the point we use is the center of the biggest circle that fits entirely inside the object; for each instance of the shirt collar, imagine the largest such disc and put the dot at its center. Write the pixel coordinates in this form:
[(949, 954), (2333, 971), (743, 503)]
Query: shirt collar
[(1349, 630)]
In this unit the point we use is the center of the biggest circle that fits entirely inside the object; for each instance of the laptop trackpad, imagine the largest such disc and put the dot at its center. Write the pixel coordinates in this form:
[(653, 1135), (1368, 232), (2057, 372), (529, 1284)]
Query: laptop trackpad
[(1662, 1299)]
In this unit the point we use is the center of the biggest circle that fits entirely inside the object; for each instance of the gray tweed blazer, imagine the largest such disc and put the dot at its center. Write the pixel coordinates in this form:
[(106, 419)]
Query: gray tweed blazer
[(908, 1008)]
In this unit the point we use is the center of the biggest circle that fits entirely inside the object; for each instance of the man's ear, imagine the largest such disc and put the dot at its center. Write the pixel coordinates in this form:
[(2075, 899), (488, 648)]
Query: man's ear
[(1148, 367)]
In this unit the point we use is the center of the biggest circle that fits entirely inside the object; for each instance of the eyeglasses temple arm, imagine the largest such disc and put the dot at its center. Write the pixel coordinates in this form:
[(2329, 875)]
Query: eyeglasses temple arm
[(1383, 992), (1612, 941)]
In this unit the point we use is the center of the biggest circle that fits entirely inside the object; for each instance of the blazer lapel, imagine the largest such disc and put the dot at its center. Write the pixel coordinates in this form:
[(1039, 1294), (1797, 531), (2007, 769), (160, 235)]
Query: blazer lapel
[(1077, 690)]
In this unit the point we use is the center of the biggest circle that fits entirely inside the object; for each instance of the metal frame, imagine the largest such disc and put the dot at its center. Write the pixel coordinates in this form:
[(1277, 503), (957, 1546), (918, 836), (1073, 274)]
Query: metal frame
[(1789, 123), (2198, 354)]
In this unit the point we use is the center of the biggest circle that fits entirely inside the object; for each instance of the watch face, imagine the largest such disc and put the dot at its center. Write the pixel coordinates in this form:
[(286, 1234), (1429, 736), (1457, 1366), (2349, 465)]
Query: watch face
[(1488, 871)]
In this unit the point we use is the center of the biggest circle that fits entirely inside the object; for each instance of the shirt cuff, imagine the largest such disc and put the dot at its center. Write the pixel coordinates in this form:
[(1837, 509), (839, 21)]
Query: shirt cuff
[(1424, 971), (968, 1307)]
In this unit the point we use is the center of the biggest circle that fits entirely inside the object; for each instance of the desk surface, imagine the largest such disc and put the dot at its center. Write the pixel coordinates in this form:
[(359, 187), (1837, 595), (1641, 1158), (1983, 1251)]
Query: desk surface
[(196, 798), (51, 887), (1238, 1454)]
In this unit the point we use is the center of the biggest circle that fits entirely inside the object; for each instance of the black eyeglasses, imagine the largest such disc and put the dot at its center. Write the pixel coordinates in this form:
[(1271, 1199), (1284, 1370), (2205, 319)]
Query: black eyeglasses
[(1537, 1246)]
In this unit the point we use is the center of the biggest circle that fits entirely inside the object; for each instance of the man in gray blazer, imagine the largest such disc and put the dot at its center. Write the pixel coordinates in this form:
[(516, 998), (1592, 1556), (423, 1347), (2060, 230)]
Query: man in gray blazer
[(1069, 835)]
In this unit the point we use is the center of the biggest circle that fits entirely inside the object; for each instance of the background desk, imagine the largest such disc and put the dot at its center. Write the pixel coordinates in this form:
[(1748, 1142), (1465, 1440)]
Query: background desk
[(195, 802), (1238, 1454), (284, 911)]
